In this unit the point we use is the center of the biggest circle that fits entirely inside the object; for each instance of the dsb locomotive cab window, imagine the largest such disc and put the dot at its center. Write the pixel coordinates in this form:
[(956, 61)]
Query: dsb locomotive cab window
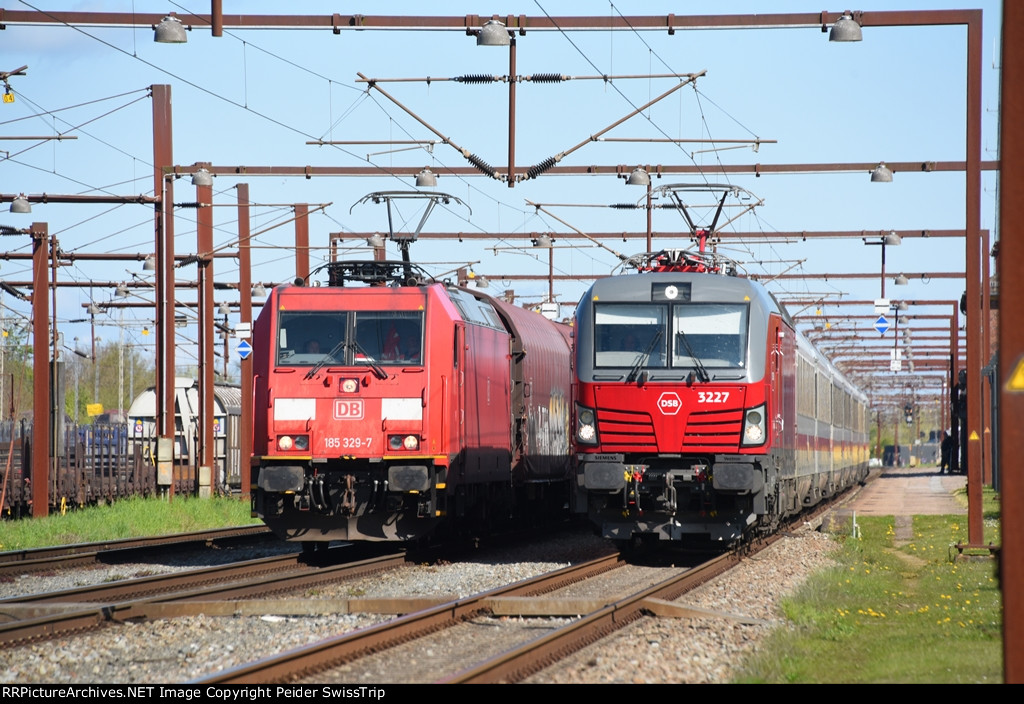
[(660, 336)]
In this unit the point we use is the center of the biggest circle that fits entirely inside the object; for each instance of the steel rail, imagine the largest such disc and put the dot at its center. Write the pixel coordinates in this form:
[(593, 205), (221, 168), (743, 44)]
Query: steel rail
[(334, 651), (59, 613), (59, 556), (524, 660)]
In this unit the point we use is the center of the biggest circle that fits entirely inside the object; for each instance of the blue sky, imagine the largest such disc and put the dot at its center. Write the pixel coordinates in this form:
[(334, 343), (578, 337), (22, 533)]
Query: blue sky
[(255, 97)]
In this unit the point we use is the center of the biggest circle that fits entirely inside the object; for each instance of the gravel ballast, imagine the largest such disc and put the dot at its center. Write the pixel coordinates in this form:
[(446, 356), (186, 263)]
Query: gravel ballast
[(651, 650)]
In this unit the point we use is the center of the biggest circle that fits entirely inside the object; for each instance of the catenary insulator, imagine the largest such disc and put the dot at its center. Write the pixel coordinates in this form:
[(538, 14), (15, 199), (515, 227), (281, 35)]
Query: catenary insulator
[(547, 78), (475, 78), (535, 171), (481, 164)]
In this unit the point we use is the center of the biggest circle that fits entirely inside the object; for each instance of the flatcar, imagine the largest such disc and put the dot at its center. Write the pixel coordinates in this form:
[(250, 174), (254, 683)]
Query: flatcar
[(393, 407), (701, 413)]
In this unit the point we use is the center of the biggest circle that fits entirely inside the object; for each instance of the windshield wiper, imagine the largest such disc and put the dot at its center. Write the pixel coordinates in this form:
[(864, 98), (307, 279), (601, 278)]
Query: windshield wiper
[(325, 359), (378, 371), (643, 357), (702, 373)]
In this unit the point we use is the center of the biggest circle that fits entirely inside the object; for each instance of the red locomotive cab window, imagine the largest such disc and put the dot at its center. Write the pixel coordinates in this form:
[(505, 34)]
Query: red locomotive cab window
[(308, 337), (353, 338), (391, 337)]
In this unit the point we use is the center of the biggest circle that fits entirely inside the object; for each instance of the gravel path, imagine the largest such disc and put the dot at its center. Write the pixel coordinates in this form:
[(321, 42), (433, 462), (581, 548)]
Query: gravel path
[(651, 650)]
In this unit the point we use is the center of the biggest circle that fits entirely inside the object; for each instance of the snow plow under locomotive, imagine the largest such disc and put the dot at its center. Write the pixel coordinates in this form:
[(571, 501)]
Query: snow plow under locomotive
[(389, 405), (700, 411)]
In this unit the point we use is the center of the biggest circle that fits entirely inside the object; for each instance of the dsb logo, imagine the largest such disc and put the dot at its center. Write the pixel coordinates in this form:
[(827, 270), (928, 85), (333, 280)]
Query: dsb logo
[(669, 403), (348, 409)]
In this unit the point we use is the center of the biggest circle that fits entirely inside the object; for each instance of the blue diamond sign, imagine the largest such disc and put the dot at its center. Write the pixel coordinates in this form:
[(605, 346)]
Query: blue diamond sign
[(244, 349), (882, 325)]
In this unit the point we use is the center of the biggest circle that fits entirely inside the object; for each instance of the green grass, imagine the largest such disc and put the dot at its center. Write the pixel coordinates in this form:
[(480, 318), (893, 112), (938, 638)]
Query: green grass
[(894, 611), (125, 518)]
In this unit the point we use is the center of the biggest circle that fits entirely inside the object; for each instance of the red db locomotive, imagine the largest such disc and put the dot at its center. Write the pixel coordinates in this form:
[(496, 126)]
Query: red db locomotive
[(388, 405)]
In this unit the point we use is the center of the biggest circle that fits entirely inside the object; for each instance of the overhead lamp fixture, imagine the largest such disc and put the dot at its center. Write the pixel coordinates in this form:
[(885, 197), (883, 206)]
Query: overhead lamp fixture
[(94, 309), (202, 177), (375, 241), (122, 291), (426, 178), (903, 305), (170, 31), (482, 282), (224, 308), (149, 264), (904, 320), (542, 241), (846, 29), (881, 174), (493, 33), (20, 204), (901, 280), (893, 239), (639, 177), (259, 291)]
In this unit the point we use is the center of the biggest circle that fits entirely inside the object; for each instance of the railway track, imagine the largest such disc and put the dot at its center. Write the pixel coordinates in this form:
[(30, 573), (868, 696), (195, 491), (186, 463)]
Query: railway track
[(59, 557), (212, 591), (524, 627)]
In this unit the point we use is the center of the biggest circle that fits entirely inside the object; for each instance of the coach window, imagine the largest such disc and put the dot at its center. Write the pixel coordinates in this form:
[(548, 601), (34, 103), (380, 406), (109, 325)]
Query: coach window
[(715, 333), (625, 333)]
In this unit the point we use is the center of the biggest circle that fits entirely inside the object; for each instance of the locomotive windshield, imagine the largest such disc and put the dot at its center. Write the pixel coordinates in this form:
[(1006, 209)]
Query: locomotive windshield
[(713, 333), (352, 338), (716, 333), (625, 332)]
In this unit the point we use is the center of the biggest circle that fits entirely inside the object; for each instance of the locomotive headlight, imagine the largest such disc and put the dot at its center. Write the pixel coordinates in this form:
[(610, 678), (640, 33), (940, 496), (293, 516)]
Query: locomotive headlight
[(586, 426), (349, 386), (753, 427), (287, 443), (403, 442)]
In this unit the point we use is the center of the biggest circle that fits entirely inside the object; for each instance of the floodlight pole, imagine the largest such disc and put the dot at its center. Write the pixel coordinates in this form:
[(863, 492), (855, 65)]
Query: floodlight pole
[(41, 372), (245, 318), (163, 186), (204, 248)]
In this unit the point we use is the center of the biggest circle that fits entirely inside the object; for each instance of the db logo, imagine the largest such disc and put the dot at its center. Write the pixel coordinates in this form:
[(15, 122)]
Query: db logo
[(348, 410), (669, 403)]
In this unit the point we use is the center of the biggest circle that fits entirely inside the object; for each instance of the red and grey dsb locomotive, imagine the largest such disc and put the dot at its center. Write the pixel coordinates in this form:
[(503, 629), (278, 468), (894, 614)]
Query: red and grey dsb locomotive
[(389, 404), (700, 411)]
